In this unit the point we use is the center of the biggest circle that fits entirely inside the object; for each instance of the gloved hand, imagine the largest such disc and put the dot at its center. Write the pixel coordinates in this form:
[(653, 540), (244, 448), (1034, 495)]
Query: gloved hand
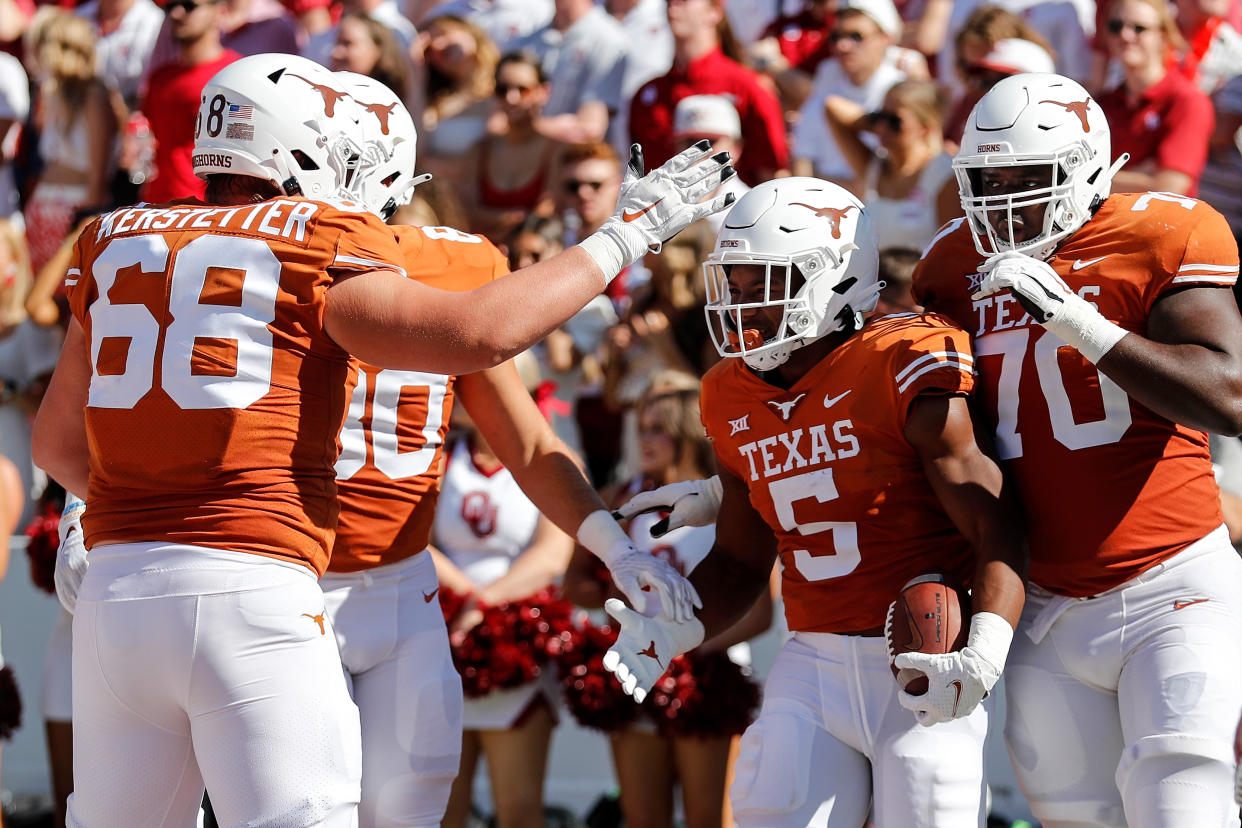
[(633, 569), (71, 554), (653, 208), (958, 681), (689, 503), (1050, 302), (646, 646)]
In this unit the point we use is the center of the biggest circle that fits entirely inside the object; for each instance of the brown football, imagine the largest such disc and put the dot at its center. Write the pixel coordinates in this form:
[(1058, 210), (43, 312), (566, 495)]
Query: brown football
[(931, 616)]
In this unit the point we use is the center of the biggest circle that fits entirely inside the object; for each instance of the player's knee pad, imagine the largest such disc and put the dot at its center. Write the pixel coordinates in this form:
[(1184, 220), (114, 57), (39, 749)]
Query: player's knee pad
[(1174, 779), (771, 778), (1081, 814)]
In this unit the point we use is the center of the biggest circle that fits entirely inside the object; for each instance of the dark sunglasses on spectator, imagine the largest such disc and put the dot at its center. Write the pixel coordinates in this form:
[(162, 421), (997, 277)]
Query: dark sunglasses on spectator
[(1118, 26), (840, 35), (503, 89), (187, 6), (572, 185), (885, 117)]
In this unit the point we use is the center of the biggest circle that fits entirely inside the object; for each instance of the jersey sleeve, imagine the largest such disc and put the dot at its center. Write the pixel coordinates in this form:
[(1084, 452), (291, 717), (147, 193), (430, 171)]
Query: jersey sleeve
[(79, 283), (1210, 254), (364, 243), (935, 359)]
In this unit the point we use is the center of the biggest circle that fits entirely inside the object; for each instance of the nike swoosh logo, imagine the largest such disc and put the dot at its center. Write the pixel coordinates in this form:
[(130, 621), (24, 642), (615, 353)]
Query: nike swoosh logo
[(1079, 264), (829, 402), (427, 596), (1183, 604), (626, 215), (956, 685)]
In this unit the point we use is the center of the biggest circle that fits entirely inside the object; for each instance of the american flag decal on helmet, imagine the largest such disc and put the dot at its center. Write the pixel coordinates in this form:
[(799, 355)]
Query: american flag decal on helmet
[(242, 111)]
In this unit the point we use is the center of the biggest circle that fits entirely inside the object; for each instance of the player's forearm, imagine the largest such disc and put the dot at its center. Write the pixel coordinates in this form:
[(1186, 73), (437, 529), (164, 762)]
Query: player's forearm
[(1198, 386), (1000, 584), (393, 322)]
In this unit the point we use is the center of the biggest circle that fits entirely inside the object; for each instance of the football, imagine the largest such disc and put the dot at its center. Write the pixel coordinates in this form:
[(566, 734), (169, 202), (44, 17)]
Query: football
[(930, 616)]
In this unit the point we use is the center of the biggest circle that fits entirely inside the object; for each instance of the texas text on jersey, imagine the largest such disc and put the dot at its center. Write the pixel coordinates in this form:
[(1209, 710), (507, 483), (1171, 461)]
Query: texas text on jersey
[(832, 448), (388, 474), (1139, 488), (215, 394)]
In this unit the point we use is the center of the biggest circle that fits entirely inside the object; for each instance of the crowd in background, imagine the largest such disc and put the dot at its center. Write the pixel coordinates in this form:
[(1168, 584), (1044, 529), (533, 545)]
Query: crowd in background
[(526, 110)]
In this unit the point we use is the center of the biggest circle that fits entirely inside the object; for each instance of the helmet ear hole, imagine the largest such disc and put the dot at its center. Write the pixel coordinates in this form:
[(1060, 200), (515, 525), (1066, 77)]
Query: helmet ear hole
[(304, 161)]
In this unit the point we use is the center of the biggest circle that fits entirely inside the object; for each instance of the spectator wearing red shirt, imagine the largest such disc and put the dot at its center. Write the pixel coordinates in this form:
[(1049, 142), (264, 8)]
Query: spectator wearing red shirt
[(1158, 116), (173, 93), (701, 66)]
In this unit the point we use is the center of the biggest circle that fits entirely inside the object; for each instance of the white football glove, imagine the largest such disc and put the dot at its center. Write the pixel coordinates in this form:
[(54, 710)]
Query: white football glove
[(632, 569), (958, 681), (646, 646), (71, 554), (689, 503), (1050, 302), (653, 208)]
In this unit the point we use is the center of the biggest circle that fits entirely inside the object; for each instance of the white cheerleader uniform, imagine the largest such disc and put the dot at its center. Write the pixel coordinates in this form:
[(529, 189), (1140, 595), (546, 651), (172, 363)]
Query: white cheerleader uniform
[(483, 523)]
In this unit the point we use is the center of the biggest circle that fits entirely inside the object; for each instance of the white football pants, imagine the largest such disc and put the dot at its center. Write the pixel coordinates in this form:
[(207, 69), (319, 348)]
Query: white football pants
[(831, 737), (195, 665), (395, 647), (1122, 706)]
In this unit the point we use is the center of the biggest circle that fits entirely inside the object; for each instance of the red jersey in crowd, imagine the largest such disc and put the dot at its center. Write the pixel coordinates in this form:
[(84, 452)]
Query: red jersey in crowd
[(766, 147)]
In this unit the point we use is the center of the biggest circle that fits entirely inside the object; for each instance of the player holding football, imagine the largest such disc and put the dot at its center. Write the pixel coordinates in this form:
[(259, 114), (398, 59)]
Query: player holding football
[(1108, 342), (204, 377), (407, 690), (848, 451)]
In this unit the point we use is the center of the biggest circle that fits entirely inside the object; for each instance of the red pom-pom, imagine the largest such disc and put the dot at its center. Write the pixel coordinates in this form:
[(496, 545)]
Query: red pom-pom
[(592, 694), (513, 642), (10, 703), (43, 533), (704, 694)]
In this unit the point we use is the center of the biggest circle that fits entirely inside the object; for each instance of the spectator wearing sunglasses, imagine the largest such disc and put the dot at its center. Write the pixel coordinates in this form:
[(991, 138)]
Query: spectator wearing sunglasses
[(866, 65), (1157, 116), (173, 92), (511, 175), (588, 181), (907, 183)]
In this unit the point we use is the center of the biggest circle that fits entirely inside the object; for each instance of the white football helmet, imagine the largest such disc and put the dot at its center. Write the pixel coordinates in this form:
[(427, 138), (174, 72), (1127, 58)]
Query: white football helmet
[(278, 117), (385, 179), (1035, 119), (820, 240)]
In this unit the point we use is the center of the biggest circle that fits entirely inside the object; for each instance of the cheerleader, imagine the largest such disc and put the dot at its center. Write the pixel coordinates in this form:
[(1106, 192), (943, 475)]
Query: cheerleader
[(687, 732), (492, 546)]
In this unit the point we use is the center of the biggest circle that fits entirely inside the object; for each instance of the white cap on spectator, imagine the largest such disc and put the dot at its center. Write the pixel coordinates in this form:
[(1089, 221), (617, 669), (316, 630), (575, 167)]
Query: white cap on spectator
[(706, 115), (1014, 55), (883, 12)]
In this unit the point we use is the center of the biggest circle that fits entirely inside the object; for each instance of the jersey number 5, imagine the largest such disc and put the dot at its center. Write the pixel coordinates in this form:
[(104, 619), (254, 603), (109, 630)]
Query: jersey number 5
[(817, 485), (240, 320)]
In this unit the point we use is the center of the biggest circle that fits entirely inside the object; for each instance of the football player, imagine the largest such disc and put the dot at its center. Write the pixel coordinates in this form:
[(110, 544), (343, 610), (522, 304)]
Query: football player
[(197, 401), (1108, 342), (849, 451), (388, 477)]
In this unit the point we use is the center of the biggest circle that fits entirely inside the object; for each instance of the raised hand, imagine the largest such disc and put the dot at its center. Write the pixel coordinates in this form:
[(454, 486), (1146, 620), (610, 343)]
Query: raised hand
[(689, 503)]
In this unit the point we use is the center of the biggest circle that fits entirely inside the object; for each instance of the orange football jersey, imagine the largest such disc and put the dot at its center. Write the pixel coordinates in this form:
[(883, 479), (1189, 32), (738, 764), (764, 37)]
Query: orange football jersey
[(1109, 487), (388, 475), (215, 395), (830, 470)]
